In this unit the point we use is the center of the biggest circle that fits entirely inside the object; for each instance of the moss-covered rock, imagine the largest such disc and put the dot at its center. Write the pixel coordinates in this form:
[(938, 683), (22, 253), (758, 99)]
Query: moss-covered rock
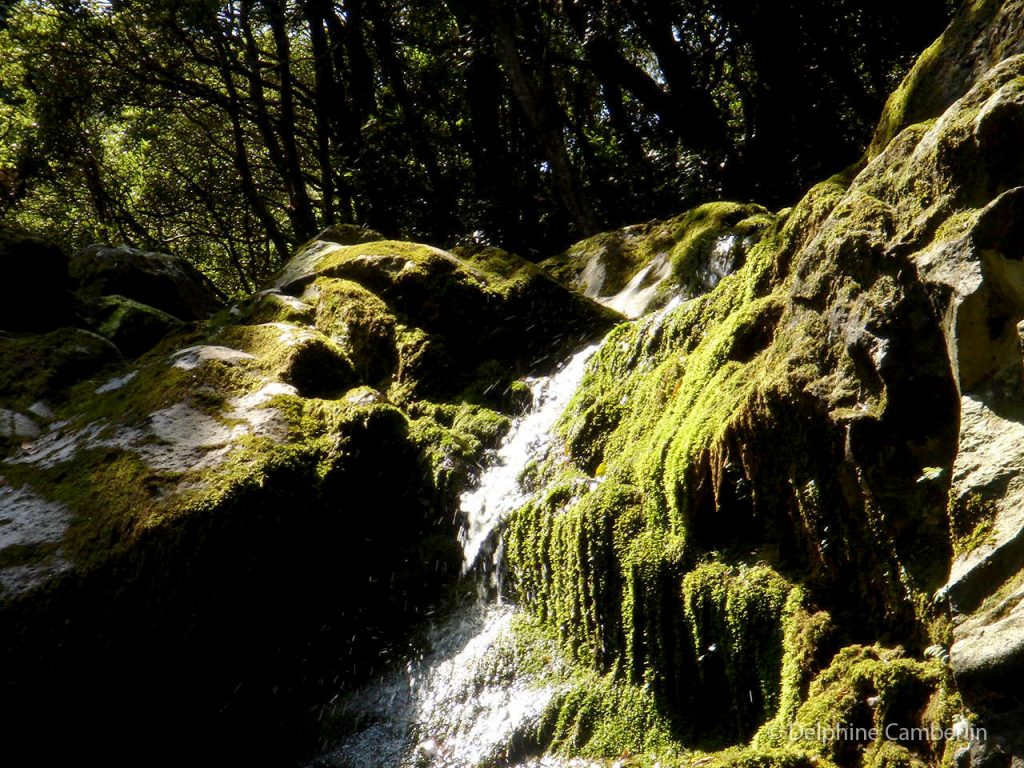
[(636, 268), (254, 509), (981, 35), (134, 328), (798, 430), (159, 280), (434, 322), (45, 367)]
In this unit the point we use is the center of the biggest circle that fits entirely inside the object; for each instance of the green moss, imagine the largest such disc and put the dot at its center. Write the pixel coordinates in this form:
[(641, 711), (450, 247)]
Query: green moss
[(484, 424), (704, 446), (934, 82), (133, 327), (606, 262), (971, 522), (621, 254), (109, 495), (502, 267), (452, 439), (348, 234), (736, 623), (274, 307), (874, 688), (695, 232), (358, 321), (46, 367), (600, 717)]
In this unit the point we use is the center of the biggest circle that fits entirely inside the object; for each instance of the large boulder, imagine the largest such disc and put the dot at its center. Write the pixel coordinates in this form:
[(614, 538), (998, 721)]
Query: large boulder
[(166, 282), (846, 409), (451, 318), (196, 544)]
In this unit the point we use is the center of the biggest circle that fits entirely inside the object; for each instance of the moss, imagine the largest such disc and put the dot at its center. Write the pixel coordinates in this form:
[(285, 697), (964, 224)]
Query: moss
[(46, 367), (298, 355), (423, 366), (736, 625), (360, 322), (971, 522), (600, 717), (484, 424), (451, 440), (157, 382), (621, 254), (695, 232), (758, 430), (348, 234), (272, 307), (133, 327), (502, 267), (108, 493), (938, 77), (868, 688), (603, 264)]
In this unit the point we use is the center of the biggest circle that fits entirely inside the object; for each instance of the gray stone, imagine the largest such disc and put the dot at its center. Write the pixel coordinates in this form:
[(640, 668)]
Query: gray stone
[(159, 280)]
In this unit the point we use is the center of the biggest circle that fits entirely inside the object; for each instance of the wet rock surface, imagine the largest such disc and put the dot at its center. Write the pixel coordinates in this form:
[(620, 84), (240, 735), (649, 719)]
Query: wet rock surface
[(189, 537), (785, 495)]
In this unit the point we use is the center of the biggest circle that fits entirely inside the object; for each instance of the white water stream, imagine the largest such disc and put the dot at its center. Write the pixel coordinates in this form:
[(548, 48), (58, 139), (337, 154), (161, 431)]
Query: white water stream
[(466, 701), (498, 493)]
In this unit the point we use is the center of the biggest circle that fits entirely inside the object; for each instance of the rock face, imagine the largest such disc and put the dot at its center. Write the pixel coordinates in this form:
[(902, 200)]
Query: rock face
[(823, 452), (637, 268), (165, 282), (195, 541)]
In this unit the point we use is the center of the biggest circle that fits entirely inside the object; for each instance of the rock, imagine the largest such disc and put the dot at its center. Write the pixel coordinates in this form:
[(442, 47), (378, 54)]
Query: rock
[(249, 497), (981, 35), (47, 366), (847, 406), (989, 469), (35, 274), (273, 306), (14, 424), (759, 488), (190, 358), (988, 652), (165, 282), (637, 268), (348, 234), (30, 524), (989, 754), (456, 314), (133, 327)]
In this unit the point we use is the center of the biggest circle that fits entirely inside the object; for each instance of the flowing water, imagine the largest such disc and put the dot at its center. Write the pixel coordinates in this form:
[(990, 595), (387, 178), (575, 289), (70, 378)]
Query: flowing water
[(498, 492), (466, 700)]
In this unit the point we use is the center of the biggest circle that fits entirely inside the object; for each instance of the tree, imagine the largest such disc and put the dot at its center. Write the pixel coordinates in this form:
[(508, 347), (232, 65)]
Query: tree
[(230, 131)]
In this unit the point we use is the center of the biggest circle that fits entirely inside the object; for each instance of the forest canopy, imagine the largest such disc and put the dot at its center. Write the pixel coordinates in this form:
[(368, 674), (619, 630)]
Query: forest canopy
[(229, 132)]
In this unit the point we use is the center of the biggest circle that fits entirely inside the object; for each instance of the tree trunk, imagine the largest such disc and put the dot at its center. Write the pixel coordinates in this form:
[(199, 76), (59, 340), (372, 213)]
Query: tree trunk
[(547, 129)]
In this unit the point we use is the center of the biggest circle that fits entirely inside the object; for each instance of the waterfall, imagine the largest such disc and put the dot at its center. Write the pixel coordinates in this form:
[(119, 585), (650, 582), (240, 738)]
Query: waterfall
[(498, 493), (467, 700)]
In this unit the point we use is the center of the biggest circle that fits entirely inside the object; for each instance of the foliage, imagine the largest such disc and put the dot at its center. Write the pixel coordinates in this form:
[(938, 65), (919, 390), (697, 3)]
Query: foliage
[(229, 132)]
